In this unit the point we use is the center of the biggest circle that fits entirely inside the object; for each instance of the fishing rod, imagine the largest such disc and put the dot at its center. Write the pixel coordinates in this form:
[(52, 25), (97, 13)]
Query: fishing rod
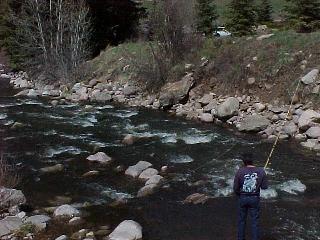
[(279, 133)]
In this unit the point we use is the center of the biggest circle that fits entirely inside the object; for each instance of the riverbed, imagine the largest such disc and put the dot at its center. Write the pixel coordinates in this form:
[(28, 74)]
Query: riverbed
[(68, 133)]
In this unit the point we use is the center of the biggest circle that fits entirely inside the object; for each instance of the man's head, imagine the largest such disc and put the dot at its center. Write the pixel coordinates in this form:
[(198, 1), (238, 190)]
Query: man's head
[(247, 159)]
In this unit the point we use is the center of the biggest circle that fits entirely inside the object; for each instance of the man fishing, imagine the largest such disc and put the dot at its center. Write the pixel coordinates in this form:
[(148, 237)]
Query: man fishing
[(247, 184)]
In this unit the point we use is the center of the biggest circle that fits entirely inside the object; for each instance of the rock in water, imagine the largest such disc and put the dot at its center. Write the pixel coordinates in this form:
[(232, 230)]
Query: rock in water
[(136, 170), (197, 198), (206, 117), (173, 93), (52, 169), (253, 123), (148, 173), (11, 197), (156, 179), (129, 139), (147, 190), (66, 211), (9, 224), (100, 157), (127, 230), (228, 108)]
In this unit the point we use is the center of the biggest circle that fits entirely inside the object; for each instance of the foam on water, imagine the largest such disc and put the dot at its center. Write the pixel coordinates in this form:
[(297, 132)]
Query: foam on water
[(50, 133), (292, 187), (3, 116), (114, 194), (105, 107), (51, 152), (269, 193), (92, 119), (181, 159), (194, 136), (124, 114)]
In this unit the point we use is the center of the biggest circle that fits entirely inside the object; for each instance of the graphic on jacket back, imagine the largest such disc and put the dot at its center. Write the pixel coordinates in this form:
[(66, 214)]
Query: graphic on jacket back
[(250, 183)]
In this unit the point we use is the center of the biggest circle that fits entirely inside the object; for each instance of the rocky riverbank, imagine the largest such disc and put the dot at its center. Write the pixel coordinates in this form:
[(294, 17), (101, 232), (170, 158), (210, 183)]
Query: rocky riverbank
[(183, 98)]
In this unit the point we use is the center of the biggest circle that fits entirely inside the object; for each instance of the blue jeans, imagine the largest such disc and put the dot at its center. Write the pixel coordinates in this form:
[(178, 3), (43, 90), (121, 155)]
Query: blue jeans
[(249, 204)]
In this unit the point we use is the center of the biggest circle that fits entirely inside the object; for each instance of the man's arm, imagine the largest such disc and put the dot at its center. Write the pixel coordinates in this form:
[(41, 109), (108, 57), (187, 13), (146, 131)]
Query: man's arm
[(236, 185), (264, 182)]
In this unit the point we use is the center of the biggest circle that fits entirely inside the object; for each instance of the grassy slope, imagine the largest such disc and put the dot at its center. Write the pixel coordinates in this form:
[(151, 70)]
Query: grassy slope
[(278, 63)]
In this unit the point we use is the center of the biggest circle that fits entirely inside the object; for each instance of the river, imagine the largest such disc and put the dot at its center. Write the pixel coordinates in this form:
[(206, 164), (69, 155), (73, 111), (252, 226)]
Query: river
[(68, 133)]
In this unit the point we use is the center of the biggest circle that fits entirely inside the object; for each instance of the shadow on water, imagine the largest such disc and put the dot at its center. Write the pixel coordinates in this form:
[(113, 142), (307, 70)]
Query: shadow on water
[(67, 134)]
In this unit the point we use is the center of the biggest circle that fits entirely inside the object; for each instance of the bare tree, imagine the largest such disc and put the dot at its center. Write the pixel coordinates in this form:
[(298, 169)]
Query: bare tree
[(9, 177), (53, 35)]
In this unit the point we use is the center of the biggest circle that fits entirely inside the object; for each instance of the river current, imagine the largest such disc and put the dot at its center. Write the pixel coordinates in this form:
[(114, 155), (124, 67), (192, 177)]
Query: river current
[(68, 133)]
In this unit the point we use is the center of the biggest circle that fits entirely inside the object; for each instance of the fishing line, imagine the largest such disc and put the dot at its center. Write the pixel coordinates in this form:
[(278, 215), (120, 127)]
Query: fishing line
[(279, 133)]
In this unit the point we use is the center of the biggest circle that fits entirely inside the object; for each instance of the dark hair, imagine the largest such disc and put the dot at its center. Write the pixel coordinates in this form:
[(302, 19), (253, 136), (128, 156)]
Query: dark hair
[(247, 158)]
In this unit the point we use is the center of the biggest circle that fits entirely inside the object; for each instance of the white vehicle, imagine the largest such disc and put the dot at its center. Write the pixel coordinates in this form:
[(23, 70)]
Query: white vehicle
[(221, 32)]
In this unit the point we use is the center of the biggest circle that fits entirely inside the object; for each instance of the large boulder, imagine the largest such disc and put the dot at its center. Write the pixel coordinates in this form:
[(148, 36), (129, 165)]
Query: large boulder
[(66, 211), (254, 123), (228, 108), (306, 119), (11, 197), (311, 77), (100, 157), (39, 221), (173, 93), (313, 132), (127, 230), (135, 170), (9, 225)]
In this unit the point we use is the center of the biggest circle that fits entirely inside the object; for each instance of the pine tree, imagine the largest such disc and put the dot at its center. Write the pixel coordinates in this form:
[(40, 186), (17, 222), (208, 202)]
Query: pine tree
[(305, 14), (265, 11), (206, 15), (242, 17)]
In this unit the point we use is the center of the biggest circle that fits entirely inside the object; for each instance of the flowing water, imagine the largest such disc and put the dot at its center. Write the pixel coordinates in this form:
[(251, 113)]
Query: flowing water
[(68, 133)]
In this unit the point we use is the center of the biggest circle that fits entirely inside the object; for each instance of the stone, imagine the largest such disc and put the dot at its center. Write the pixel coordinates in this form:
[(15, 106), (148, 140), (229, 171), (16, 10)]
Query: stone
[(313, 132), (100, 157), (91, 174), (290, 128), (265, 36), (254, 123), (129, 90), (206, 117), (212, 105), (259, 107), (300, 137), (173, 93), (75, 221), (11, 197), (99, 96), (316, 89), (62, 237), (310, 144), (251, 81), (148, 173), (66, 211), (127, 230), (60, 200), (197, 198), (52, 169), (92, 82), (9, 224), (311, 77), (156, 179), (206, 99), (306, 118), (129, 139), (228, 108), (39, 221), (147, 190), (33, 93), (102, 233), (135, 170)]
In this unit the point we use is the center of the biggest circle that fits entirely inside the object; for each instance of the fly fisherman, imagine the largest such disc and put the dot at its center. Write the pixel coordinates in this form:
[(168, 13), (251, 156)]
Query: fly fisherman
[(247, 184)]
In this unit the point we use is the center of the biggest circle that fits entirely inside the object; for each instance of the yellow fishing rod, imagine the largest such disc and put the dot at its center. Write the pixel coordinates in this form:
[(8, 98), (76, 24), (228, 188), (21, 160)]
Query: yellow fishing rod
[(285, 120)]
